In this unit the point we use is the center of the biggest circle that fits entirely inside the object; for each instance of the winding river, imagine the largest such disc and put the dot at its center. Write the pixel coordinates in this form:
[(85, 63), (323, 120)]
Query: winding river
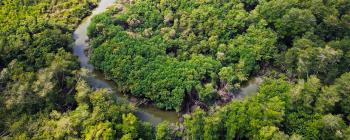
[(97, 79)]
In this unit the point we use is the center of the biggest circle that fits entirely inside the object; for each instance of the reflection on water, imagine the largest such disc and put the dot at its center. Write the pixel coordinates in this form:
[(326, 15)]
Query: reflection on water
[(250, 88)]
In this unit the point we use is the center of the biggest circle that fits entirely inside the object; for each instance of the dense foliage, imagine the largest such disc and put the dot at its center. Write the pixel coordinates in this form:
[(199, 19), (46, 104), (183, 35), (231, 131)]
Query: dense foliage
[(173, 52), (166, 50), (280, 111), (42, 91), (169, 50)]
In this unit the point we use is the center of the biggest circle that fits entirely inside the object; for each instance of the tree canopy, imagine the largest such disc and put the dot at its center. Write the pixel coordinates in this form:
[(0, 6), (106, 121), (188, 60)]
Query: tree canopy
[(177, 54), (166, 50), (43, 94)]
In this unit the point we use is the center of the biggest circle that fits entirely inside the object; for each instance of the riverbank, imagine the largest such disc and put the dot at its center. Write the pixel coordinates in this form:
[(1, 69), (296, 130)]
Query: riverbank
[(147, 108), (97, 80)]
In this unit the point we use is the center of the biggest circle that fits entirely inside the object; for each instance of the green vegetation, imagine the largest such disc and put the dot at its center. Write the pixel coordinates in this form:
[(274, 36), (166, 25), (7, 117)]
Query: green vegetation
[(280, 110), (164, 50), (173, 52), (167, 50), (42, 91)]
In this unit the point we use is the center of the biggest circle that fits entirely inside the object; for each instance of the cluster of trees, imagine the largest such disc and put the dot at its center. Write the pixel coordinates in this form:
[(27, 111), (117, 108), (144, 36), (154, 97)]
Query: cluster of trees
[(167, 51), (95, 115), (32, 31), (43, 94), (307, 109), (164, 49)]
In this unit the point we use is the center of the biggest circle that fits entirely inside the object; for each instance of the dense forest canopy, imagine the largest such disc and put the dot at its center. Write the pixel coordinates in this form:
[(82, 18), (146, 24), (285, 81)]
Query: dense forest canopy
[(166, 50), (43, 94), (169, 51), (175, 53)]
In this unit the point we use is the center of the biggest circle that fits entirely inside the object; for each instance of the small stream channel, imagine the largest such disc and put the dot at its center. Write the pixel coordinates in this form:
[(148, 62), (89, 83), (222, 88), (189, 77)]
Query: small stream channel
[(97, 79)]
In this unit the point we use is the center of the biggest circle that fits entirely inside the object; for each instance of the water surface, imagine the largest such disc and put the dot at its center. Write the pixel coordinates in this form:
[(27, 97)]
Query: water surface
[(250, 88)]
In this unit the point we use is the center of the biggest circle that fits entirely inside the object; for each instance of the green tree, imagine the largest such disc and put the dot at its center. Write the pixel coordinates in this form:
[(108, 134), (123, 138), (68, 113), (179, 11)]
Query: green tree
[(101, 131), (163, 131), (194, 125), (331, 125), (343, 90), (296, 22), (130, 125)]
